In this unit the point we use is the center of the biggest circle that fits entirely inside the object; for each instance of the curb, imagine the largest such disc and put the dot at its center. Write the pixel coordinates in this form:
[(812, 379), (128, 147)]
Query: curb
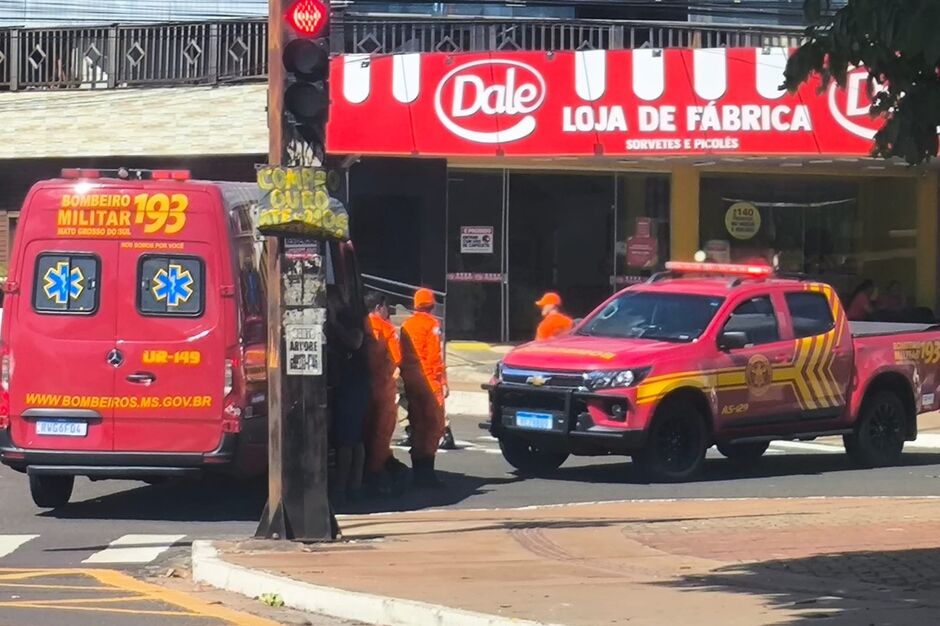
[(211, 569)]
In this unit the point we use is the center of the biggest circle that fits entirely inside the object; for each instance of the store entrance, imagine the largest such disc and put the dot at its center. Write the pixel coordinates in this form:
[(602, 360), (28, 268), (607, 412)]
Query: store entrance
[(513, 235), (561, 234)]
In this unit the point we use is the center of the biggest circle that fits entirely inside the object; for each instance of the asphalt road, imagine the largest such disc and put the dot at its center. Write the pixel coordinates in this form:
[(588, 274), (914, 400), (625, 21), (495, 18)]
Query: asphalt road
[(155, 525)]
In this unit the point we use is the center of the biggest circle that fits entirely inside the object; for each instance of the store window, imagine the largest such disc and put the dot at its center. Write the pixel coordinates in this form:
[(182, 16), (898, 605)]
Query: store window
[(642, 228), (840, 230)]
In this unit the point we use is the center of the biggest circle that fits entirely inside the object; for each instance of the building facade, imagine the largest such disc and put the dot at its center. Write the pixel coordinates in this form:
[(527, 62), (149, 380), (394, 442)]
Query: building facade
[(584, 171), (630, 142)]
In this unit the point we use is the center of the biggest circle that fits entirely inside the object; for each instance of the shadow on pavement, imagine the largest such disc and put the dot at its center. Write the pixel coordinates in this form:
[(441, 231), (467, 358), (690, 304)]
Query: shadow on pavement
[(213, 499), (219, 499), (720, 469), (858, 588), (456, 489)]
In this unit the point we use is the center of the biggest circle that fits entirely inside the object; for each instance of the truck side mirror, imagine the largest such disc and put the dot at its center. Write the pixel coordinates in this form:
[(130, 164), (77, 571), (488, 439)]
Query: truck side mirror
[(732, 340)]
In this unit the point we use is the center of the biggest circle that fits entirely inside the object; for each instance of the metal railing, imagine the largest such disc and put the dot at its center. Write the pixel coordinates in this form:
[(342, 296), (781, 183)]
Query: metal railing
[(106, 57), (207, 53), (400, 295), (383, 35)]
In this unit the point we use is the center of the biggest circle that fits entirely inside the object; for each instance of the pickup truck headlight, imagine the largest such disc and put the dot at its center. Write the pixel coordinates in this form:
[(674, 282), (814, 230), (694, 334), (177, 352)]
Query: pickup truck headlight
[(614, 379)]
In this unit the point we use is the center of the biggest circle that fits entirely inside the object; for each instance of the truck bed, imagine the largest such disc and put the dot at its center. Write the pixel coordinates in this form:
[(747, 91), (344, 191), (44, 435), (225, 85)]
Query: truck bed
[(879, 329)]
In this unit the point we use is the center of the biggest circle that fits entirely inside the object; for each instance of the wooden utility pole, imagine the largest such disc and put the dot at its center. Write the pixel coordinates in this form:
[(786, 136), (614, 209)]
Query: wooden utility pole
[(298, 506)]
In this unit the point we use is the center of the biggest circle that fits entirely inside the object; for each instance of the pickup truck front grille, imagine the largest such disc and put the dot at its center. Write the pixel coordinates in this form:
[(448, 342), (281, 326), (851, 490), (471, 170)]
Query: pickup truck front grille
[(563, 380)]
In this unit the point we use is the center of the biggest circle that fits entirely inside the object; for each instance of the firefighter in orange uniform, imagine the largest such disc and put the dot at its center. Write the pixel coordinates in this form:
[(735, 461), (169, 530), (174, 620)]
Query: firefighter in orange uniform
[(384, 352), (422, 371), (554, 322)]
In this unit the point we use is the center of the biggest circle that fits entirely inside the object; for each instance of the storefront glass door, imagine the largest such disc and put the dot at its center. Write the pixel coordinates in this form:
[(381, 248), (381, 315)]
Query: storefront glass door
[(476, 260), (561, 230)]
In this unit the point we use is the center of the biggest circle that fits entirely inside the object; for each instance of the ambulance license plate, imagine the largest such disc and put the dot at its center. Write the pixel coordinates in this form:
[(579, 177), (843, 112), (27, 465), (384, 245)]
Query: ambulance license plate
[(61, 428), (535, 421)]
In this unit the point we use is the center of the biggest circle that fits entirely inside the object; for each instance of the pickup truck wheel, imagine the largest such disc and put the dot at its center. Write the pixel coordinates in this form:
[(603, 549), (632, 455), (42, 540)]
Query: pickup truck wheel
[(745, 452), (51, 492), (529, 458), (675, 450), (878, 439)]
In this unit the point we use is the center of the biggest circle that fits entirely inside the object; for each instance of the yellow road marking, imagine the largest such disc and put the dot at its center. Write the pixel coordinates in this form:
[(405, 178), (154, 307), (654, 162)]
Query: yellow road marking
[(80, 600), (111, 580), (100, 609), (57, 587), (182, 600)]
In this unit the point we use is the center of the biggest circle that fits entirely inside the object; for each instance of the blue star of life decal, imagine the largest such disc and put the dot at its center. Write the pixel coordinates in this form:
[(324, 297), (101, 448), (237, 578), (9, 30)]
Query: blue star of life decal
[(63, 282), (173, 285)]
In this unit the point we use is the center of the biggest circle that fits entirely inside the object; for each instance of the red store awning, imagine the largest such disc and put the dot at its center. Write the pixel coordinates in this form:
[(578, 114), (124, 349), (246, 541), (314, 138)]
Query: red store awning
[(673, 102)]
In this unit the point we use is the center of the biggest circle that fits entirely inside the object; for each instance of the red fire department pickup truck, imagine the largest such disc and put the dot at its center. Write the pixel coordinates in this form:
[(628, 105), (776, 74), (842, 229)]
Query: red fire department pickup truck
[(709, 354)]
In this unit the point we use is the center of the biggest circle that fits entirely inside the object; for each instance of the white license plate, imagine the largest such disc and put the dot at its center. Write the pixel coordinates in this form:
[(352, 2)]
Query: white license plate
[(59, 428), (535, 421)]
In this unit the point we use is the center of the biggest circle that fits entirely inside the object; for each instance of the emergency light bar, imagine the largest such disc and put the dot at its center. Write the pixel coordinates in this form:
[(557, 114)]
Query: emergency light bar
[(682, 267), (126, 174)]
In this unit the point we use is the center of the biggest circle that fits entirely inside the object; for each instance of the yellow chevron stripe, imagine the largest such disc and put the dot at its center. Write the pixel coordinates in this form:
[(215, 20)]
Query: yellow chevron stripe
[(825, 357), (804, 395), (812, 377), (826, 371)]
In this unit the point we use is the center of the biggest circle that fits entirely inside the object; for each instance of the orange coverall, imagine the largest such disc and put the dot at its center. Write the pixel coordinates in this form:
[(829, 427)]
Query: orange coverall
[(384, 353), (552, 325), (422, 371)]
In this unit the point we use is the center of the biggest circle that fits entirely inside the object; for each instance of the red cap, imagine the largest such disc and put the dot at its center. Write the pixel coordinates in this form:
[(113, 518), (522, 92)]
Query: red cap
[(549, 299), (423, 298)]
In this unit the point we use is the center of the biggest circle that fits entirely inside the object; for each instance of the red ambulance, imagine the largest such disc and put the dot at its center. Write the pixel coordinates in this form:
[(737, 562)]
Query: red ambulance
[(133, 332)]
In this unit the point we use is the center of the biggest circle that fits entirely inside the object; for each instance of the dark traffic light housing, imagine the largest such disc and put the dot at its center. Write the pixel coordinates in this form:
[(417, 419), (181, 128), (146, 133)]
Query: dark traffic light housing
[(306, 57)]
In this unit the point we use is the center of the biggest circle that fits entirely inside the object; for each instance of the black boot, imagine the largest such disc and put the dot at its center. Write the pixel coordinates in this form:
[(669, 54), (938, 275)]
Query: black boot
[(424, 474), (447, 441), (398, 474)]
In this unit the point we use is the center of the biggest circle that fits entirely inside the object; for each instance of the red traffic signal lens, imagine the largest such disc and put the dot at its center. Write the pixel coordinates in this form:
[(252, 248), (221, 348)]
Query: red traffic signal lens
[(308, 17)]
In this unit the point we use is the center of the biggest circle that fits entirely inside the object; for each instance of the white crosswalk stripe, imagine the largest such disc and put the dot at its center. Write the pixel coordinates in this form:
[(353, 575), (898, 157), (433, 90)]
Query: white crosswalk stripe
[(10, 543), (134, 549)]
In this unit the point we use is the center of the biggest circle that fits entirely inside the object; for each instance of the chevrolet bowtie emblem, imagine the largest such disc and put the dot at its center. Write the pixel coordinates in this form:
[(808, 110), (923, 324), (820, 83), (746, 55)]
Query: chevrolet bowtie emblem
[(538, 381)]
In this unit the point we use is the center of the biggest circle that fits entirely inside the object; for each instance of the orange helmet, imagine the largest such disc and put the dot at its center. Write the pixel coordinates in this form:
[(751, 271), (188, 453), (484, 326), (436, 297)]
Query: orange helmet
[(423, 298), (549, 299)]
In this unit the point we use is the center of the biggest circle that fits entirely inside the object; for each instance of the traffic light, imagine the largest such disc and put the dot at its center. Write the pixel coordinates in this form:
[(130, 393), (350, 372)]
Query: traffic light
[(306, 56)]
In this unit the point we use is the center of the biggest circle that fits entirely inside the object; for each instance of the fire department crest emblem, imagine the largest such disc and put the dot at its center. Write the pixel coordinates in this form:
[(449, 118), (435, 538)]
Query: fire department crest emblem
[(758, 374)]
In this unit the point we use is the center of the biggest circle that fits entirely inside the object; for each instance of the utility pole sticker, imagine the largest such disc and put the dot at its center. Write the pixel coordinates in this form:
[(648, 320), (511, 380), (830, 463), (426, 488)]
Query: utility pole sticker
[(304, 349)]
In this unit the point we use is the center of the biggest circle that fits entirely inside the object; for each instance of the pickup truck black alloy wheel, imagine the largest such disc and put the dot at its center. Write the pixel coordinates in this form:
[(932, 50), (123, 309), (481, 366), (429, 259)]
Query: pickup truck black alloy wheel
[(878, 439), (675, 450), (529, 458)]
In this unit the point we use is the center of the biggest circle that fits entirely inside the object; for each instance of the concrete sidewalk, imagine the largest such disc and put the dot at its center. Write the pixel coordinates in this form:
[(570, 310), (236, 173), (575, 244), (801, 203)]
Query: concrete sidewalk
[(756, 561)]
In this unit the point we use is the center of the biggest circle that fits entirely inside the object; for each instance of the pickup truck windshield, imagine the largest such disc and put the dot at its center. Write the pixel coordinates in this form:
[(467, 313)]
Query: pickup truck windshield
[(655, 316)]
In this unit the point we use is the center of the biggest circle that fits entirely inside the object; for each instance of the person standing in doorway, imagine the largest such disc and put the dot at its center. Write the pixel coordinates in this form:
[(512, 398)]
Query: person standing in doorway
[(425, 379), (384, 352), (554, 322)]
